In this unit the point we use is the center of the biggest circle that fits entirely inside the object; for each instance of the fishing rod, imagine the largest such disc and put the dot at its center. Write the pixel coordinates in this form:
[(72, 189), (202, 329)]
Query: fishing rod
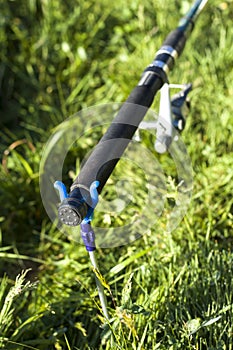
[(105, 156), (77, 207)]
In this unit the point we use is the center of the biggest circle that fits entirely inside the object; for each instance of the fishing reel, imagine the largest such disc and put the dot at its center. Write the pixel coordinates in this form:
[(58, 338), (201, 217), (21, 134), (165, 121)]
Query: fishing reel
[(173, 112)]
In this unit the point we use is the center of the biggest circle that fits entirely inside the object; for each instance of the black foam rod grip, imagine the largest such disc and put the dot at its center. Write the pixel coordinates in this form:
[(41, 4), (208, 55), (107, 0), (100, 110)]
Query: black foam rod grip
[(110, 148), (108, 151)]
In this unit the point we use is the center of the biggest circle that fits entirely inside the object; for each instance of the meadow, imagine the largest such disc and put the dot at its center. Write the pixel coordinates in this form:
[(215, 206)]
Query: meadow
[(165, 291)]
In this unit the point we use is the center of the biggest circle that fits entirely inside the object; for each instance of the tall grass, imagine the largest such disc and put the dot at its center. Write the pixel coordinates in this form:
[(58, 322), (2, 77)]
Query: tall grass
[(171, 291)]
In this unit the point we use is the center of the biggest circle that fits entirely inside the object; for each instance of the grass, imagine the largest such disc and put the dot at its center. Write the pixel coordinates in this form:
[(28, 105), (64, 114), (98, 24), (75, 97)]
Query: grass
[(168, 291)]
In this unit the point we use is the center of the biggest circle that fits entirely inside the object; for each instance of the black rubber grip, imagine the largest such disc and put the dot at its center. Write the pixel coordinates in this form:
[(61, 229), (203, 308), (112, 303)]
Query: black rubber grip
[(108, 151), (176, 39), (110, 148), (143, 95)]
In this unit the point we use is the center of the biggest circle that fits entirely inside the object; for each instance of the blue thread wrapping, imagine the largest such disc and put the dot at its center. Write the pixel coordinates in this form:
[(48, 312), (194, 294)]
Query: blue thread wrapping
[(88, 236)]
